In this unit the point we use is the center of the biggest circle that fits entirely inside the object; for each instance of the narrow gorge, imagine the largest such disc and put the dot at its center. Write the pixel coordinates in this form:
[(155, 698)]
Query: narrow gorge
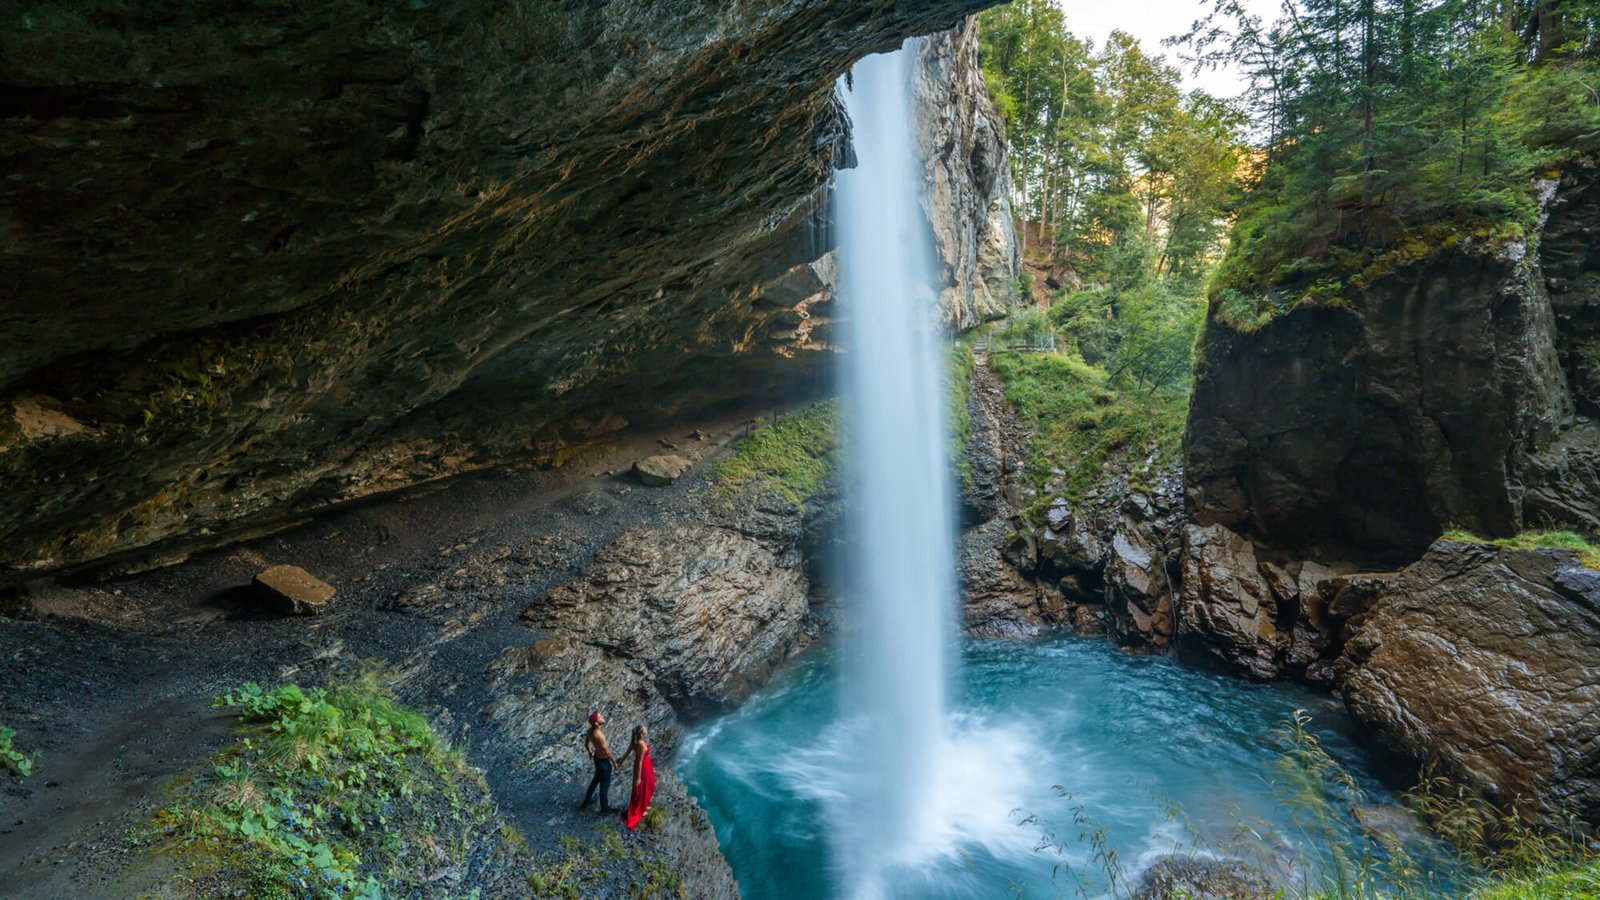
[(386, 388)]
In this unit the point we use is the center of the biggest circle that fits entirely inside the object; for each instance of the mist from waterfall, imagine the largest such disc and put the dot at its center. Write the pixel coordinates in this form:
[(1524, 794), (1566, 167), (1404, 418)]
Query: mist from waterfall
[(900, 567)]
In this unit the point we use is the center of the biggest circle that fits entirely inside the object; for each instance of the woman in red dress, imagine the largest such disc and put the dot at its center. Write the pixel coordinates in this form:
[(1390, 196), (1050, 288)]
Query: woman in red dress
[(644, 777)]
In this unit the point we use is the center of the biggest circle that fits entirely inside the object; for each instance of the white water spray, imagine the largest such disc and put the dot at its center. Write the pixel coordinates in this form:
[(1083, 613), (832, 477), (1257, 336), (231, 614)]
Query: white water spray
[(902, 566)]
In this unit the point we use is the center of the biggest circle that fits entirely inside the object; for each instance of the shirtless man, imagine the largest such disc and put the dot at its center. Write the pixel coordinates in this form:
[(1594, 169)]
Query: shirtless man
[(600, 752)]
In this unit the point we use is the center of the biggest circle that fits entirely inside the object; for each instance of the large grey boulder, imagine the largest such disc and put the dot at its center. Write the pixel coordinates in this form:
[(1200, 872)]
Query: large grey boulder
[(1487, 661), (1197, 878)]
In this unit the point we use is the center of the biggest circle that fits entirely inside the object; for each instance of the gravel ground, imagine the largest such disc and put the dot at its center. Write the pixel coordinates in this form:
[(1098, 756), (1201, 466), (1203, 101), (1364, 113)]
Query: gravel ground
[(111, 681)]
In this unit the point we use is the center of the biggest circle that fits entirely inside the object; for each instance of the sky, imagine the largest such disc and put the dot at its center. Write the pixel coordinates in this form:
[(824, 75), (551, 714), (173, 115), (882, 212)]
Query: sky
[(1152, 20)]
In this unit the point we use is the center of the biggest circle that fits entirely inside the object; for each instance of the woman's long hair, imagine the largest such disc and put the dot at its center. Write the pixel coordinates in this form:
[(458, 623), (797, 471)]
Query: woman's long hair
[(638, 734)]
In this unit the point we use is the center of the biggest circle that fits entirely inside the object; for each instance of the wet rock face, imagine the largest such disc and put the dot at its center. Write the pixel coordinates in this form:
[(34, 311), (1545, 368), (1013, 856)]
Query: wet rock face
[(1187, 878), (1227, 611), (1488, 661), (1258, 617), (1434, 397), (314, 252)]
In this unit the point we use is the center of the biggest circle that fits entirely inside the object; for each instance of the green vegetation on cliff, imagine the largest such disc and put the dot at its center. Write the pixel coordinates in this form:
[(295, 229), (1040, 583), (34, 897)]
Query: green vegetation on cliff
[(795, 455), (1083, 417), (1125, 180), (336, 792), (1587, 552)]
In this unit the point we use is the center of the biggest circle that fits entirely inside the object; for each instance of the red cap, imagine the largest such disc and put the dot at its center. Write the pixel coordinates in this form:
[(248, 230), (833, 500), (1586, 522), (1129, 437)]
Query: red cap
[(594, 718)]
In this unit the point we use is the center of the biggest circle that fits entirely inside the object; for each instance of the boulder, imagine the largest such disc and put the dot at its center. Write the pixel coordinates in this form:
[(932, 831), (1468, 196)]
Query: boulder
[(1075, 550), (294, 591), (1191, 878), (659, 471), (1487, 662), (1226, 612), (1138, 589)]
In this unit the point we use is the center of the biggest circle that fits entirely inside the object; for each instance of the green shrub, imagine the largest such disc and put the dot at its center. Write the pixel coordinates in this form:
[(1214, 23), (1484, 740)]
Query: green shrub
[(1580, 882), (1028, 325), (334, 792), (18, 761)]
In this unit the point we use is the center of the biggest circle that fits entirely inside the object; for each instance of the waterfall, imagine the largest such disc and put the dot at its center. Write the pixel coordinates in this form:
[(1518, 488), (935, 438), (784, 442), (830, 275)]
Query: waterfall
[(901, 565)]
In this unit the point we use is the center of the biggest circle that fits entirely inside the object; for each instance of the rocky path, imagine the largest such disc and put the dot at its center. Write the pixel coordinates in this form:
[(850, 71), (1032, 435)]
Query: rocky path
[(110, 681)]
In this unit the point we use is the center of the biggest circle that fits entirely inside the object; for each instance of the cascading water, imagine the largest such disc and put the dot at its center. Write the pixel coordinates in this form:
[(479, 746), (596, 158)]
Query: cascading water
[(901, 568)]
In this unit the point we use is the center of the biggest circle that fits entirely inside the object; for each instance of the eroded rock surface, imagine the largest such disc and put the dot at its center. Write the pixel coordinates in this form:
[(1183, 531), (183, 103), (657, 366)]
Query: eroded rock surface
[(707, 612), (1488, 662), (315, 252)]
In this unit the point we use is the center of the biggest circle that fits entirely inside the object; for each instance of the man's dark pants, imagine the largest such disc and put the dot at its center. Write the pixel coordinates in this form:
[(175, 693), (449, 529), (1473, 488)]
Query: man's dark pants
[(601, 780)]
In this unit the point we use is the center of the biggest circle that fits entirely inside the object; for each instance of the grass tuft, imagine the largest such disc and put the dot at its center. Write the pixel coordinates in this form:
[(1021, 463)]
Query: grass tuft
[(1588, 553)]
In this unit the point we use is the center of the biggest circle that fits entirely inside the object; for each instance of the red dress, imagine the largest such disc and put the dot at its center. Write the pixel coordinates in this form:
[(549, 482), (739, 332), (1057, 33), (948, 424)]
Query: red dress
[(640, 801)]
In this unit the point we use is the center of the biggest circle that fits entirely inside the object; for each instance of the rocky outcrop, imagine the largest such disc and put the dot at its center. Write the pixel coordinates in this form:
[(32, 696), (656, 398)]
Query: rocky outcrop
[(966, 181), (1487, 662), (316, 252), (1432, 396), (998, 556), (706, 612), (1259, 617), (1198, 878), (1108, 563)]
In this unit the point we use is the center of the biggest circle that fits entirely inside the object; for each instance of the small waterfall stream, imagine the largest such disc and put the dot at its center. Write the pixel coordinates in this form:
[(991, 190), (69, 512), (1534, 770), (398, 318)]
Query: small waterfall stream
[(901, 570)]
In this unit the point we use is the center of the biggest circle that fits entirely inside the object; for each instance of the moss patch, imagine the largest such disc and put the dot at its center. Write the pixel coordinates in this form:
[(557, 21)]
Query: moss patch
[(1588, 553), (796, 455), (958, 393), (336, 792), (1082, 421)]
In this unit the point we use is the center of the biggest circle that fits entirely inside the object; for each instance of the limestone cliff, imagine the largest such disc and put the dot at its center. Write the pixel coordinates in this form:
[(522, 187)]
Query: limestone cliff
[(261, 262), (967, 181), (1453, 391)]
